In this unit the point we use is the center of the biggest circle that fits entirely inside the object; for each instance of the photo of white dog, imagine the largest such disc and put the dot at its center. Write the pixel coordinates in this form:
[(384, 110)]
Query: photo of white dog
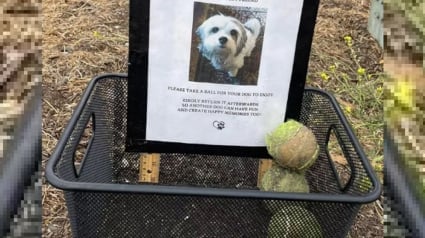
[(225, 41)]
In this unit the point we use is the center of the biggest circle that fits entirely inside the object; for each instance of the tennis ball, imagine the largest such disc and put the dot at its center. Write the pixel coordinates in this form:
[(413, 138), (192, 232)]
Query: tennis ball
[(278, 179), (293, 146), (294, 221)]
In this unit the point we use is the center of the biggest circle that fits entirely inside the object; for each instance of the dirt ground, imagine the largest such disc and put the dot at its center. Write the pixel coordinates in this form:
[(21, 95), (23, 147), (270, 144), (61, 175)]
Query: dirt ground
[(82, 39)]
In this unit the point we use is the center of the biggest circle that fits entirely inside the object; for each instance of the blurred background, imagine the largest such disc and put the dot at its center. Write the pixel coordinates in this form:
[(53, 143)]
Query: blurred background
[(20, 118), (404, 167)]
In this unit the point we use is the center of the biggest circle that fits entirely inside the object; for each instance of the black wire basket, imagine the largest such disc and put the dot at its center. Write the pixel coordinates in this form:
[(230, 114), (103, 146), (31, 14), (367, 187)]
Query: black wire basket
[(201, 195)]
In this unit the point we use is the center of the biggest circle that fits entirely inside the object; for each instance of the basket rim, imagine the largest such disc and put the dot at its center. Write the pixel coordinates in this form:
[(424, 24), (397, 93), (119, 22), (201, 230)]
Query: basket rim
[(65, 185)]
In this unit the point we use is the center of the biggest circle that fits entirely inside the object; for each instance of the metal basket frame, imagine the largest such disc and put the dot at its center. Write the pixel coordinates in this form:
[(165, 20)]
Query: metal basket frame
[(80, 188)]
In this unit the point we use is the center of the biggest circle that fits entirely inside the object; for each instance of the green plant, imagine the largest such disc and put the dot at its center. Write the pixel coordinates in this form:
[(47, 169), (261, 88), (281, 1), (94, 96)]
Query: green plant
[(360, 94)]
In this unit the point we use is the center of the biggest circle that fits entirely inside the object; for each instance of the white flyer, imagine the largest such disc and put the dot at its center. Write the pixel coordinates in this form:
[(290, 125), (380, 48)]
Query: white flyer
[(219, 71)]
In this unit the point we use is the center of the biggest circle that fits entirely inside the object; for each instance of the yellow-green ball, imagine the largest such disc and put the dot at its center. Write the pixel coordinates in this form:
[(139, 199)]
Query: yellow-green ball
[(294, 221), (278, 179), (293, 146)]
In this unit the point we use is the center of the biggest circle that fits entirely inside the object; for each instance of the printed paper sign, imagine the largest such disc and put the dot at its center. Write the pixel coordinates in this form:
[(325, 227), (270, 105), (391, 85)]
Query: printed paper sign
[(219, 71)]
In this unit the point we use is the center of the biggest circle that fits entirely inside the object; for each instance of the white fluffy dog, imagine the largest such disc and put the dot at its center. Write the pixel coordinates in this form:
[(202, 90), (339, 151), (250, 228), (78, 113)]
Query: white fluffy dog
[(225, 41)]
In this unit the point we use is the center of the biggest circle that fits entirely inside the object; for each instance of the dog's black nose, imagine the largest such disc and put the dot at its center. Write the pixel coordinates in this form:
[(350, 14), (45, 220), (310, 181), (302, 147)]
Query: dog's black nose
[(222, 40)]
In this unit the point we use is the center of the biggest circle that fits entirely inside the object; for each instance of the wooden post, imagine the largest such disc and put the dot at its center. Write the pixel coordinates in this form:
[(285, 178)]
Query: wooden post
[(375, 24), (263, 166)]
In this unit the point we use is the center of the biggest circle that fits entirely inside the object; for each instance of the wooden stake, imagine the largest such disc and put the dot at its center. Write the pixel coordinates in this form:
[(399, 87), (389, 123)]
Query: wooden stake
[(149, 168), (263, 166)]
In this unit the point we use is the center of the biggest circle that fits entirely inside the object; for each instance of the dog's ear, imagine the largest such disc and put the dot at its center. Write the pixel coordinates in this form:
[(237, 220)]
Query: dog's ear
[(242, 37), (241, 42)]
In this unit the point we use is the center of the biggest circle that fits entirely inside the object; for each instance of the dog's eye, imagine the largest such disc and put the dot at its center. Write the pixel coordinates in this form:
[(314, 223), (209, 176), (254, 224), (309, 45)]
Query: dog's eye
[(233, 33), (214, 30)]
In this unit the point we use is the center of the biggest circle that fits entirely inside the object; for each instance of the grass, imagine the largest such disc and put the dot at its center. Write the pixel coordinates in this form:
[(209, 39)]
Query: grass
[(360, 94), (351, 68)]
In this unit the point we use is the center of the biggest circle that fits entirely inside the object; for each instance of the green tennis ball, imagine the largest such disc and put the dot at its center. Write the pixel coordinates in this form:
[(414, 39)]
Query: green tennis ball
[(293, 146), (280, 135), (278, 179), (294, 222)]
